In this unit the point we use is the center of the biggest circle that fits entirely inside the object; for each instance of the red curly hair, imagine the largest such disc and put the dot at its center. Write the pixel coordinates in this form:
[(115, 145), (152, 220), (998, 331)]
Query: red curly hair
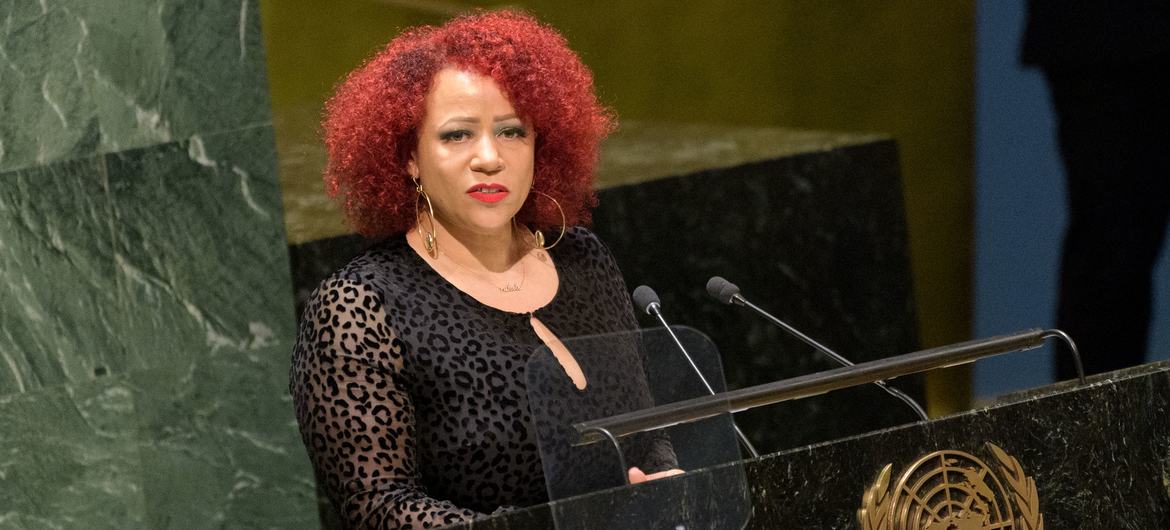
[(371, 121)]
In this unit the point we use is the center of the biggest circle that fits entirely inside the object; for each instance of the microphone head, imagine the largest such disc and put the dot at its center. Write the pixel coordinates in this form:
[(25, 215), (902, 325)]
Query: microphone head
[(721, 289), (644, 297)]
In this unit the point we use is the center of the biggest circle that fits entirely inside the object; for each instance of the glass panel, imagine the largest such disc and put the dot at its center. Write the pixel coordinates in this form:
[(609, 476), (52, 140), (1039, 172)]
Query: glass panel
[(627, 372)]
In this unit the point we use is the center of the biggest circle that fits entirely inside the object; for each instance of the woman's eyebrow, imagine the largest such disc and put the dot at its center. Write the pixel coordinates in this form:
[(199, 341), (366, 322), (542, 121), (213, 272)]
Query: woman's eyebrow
[(470, 119), (460, 119)]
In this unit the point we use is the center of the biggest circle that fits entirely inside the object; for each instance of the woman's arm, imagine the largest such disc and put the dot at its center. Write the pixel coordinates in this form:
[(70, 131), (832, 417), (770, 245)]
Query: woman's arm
[(355, 417)]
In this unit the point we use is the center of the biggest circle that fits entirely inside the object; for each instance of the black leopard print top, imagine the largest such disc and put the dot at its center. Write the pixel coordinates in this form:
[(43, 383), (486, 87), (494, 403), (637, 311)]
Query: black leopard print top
[(411, 395)]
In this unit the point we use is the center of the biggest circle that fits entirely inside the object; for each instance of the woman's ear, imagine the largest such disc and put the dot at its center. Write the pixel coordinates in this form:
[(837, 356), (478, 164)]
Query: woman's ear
[(412, 168)]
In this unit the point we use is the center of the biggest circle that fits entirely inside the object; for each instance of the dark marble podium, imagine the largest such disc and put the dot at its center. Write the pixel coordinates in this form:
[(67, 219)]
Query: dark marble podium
[(1099, 456), (810, 225)]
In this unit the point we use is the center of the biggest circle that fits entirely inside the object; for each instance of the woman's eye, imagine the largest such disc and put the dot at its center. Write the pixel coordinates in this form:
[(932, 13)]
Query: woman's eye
[(513, 132), (454, 136)]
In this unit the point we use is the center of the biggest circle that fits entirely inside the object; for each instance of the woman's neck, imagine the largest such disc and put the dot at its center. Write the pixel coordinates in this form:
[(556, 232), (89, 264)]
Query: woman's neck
[(494, 251)]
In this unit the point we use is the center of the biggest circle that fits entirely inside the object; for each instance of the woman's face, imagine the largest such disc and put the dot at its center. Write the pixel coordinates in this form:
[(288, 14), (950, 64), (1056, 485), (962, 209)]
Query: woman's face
[(474, 154)]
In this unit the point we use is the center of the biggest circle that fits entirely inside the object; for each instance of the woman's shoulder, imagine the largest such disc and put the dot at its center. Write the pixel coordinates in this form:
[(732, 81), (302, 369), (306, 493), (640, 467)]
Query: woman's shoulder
[(583, 246), (580, 239), (380, 269), (346, 316)]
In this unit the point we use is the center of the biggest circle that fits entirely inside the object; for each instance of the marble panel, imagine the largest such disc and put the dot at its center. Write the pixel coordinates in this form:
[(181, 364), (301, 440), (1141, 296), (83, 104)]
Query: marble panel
[(163, 269), (145, 310), (57, 306), (203, 260), (79, 77), (69, 457), (222, 449), (214, 449), (199, 247), (145, 258)]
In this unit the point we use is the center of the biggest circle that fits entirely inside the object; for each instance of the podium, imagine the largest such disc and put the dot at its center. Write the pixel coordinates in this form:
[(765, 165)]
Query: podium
[(1065, 456)]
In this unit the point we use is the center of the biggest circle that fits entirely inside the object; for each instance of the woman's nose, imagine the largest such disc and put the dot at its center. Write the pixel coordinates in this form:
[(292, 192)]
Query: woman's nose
[(487, 156)]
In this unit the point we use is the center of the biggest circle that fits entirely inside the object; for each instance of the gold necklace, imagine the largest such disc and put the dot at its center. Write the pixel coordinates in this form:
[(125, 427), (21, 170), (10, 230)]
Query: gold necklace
[(508, 287)]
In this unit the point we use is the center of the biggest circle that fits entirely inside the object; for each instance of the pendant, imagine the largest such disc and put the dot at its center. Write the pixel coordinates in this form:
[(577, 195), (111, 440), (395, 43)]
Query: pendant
[(429, 244), (510, 288)]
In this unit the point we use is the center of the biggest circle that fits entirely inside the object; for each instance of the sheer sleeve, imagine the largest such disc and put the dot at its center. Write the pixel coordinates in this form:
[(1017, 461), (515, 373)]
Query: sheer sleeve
[(355, 417)]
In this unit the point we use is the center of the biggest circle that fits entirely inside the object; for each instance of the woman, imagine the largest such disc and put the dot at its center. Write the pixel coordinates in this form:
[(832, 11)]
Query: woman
[(470, 149)]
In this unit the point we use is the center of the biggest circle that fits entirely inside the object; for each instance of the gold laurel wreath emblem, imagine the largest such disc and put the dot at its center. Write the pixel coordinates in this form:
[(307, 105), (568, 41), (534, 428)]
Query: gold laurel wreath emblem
[(1023, 487), (876, 504)]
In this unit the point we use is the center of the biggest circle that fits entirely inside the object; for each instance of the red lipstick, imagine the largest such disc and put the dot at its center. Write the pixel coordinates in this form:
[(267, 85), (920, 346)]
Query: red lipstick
[(488, 192)]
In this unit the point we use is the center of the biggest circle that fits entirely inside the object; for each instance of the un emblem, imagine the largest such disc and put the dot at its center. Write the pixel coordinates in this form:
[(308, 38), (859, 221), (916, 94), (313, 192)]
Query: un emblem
[(953, 490)]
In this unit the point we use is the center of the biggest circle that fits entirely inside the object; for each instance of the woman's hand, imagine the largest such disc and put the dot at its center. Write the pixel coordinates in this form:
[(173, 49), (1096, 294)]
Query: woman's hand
[(637, 475)]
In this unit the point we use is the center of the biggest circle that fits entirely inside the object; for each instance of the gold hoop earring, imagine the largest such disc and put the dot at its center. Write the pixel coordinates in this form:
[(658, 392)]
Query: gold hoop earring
[(430, 242), (540, 235)]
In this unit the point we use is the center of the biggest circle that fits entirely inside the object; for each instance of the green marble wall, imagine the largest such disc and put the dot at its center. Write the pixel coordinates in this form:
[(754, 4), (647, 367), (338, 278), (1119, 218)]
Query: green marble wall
[(145, 300)]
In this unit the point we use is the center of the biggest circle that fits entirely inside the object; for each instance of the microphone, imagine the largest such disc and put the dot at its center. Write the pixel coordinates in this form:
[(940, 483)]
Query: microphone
[(647, 300), (728, 293)]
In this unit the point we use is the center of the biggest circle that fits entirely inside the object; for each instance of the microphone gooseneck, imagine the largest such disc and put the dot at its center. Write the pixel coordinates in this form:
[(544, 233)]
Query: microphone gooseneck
[(645, 298), (728, 293), (1072, 350)]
